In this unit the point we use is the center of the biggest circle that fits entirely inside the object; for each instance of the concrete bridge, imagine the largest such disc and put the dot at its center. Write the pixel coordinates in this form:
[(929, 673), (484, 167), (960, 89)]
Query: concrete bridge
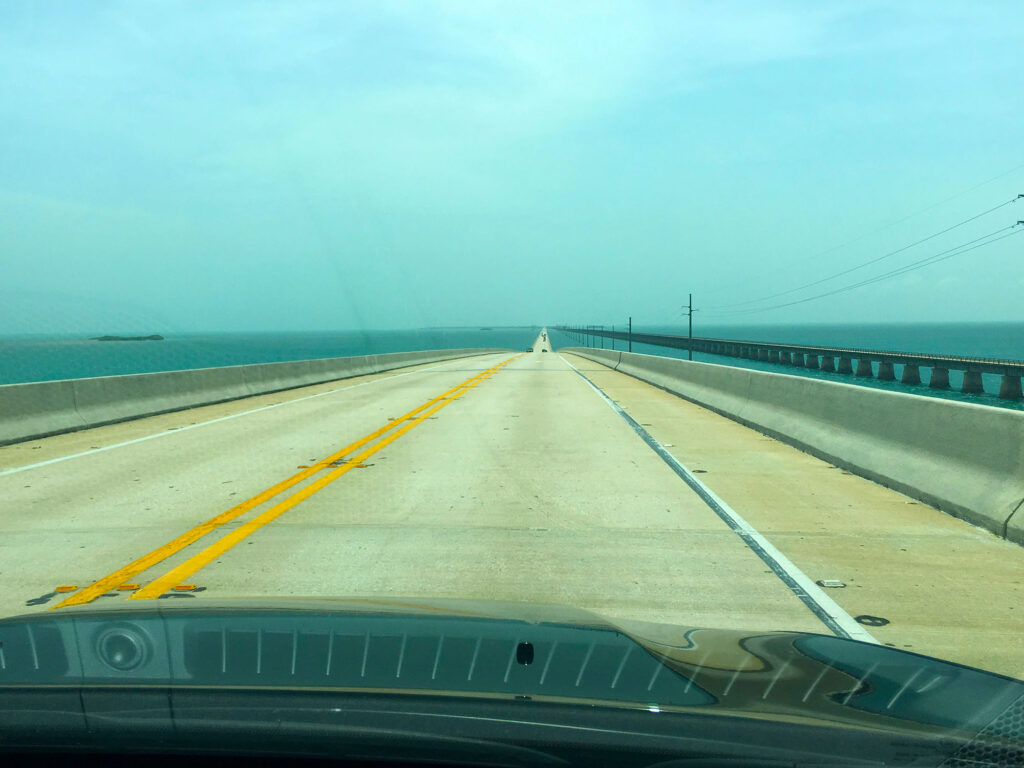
[(869, 363), (640, 487)]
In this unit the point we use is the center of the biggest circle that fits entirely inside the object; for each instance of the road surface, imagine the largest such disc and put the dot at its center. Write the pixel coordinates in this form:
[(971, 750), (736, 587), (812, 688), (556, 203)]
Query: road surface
[(506, 477)]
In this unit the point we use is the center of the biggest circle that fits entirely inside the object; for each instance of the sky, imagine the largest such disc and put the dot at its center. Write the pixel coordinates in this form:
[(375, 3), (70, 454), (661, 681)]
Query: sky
[(195, 166)]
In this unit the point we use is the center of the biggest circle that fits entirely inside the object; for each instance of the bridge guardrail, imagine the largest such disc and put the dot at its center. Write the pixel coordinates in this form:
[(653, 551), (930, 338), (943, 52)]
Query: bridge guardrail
[(39, 409), (965, 459)]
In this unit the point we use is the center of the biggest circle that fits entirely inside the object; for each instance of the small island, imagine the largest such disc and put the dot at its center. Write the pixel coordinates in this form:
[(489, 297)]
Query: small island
[(153, 337)]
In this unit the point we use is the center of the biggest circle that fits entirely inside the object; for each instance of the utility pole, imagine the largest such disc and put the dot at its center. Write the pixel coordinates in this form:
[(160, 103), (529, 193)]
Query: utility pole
[(630, 333), (689, 313)]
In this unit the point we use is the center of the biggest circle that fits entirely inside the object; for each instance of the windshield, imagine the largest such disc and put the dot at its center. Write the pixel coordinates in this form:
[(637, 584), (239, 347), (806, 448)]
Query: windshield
[(692, 314)]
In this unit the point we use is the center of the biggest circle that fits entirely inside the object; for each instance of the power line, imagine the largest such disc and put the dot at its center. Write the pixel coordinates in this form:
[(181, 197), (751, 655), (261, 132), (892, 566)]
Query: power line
[(869, 262), (909, 216), (970, 245), (941, 256)]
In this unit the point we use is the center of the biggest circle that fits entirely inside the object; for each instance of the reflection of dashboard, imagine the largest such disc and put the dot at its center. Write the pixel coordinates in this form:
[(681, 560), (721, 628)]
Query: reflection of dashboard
[(421, 653), (268, 679)]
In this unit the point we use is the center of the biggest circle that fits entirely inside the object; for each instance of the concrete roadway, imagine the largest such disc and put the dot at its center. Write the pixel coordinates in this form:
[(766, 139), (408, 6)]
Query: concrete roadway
[(524, 485)]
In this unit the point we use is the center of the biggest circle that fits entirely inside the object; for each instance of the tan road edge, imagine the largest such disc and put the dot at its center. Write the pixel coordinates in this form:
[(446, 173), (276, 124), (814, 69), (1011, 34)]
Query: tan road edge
[(962, 458), (820, 604), (414, 417), (181, 428), (46, 408)]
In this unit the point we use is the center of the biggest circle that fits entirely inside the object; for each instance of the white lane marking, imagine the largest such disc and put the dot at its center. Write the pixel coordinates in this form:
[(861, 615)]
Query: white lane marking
[(179, 430), (768, 551)]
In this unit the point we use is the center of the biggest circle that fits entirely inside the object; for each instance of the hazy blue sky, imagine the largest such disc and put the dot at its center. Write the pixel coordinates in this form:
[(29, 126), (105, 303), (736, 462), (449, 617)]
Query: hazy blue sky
[(178, 166)]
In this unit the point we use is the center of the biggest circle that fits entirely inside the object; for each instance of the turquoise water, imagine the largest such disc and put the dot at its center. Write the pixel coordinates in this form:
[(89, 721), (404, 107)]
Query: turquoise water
[(1002, 341), (25, 359)]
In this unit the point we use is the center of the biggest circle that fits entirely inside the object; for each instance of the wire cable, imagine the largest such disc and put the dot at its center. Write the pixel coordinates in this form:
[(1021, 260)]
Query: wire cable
[(970, 245), (891, 224), (870, 261)]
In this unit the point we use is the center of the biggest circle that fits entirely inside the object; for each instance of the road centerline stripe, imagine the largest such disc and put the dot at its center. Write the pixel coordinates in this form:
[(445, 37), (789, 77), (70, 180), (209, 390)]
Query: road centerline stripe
[(186, 569), (809, 593), (118, 577)]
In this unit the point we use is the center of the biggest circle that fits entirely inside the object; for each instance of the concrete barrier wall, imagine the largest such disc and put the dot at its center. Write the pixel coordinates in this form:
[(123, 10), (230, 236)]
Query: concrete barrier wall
[(44, 408), (965, 459)]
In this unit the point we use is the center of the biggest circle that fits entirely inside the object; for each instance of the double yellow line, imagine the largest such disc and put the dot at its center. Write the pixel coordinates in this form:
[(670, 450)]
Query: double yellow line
[(159, 586)]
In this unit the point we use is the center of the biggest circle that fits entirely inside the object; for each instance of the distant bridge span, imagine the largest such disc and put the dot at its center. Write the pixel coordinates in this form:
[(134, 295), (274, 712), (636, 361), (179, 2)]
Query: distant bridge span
[(838, 359)]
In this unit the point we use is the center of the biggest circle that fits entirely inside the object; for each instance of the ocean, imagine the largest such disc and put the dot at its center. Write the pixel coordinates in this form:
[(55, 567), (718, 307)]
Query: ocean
[(37, 358), (1000, 341)]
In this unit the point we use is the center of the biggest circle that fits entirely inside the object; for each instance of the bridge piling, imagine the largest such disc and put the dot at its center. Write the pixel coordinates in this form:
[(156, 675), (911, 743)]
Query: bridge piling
[(812, 361), (864, 369), (885, 371), (828, 363), (845, 365), (1009, 387), (939, 378), (911, 374), (972, 383)]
